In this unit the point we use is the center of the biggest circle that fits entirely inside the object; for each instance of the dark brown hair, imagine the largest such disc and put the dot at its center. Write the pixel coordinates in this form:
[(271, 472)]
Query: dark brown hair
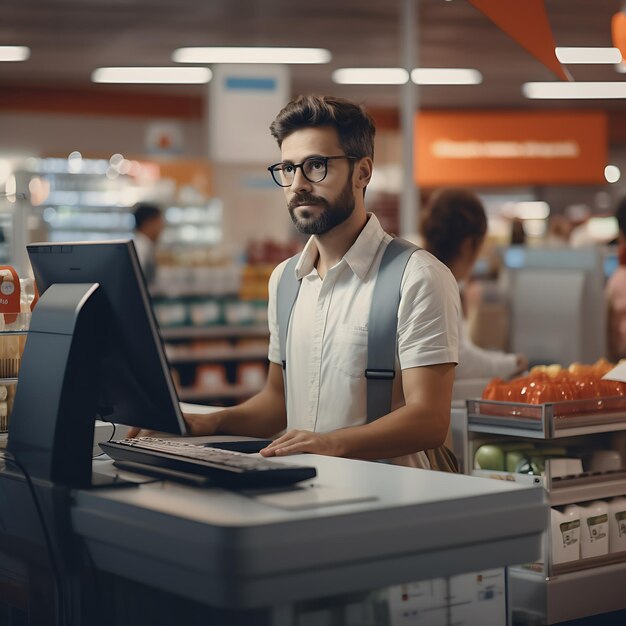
[(450, 217), (144, 212), (354, 126)]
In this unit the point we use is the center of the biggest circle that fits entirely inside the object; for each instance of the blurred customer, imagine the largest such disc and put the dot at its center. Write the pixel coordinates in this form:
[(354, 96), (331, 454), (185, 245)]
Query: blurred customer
[(453, 227), (616, 292), (559, 231), (149, 224), (518, 234)]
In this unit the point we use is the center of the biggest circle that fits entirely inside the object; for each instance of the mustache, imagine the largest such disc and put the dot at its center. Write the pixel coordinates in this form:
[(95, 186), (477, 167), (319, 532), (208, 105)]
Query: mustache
[(305, 199)]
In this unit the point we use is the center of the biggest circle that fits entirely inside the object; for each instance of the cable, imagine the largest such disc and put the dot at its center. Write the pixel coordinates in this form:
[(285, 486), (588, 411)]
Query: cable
[(96, 456), (61, 608)]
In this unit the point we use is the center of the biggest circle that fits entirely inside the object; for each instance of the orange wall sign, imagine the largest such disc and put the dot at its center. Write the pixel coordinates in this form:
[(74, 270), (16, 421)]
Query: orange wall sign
[(510, 148)]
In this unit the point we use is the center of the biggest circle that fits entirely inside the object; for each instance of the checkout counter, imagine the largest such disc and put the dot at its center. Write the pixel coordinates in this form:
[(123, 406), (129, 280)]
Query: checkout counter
[(164, 550)]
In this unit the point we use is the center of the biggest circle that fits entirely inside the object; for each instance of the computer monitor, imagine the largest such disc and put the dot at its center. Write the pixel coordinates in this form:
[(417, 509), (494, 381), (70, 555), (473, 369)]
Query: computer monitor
[(93, 350), (556, 298)]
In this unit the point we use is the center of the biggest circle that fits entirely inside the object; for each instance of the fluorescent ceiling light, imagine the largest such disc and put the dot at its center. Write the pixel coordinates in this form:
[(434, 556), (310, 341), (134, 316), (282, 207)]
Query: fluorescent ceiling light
[(14, 53), (446, 76), (609, 56), (156, 75), (371, 76), (574, 91), (251, 55)]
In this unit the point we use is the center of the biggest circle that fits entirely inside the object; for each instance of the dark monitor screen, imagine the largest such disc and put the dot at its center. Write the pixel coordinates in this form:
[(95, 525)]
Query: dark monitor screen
[(134, 383)]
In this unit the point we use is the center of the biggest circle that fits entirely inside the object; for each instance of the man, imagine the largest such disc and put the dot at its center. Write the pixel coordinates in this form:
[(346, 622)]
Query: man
[(326, 164), (149, 224)]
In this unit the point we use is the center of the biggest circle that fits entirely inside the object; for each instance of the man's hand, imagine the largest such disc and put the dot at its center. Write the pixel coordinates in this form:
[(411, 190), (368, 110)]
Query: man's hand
[(138, 432), (198, 424), (298, 441)]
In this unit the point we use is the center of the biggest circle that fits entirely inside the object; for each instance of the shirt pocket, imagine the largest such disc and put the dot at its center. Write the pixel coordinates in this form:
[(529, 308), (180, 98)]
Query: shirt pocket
[(350, 350)]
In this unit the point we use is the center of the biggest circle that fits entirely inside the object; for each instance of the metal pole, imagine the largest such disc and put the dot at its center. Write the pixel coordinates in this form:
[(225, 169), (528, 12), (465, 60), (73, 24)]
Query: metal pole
[(409, 202)]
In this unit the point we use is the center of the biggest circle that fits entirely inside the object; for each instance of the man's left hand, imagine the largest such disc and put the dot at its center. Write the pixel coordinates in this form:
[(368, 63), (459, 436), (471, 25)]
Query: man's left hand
[(298, 441)]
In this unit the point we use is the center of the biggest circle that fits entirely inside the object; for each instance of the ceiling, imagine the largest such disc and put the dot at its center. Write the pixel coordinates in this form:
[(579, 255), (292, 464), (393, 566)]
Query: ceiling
[(70, 38)]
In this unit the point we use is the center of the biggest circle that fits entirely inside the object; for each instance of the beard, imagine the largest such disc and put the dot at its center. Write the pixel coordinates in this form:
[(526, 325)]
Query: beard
[(331, 215)]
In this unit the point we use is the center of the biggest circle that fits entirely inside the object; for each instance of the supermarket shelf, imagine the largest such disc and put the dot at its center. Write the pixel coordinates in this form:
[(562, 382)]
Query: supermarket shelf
[(216, 332), (571, 595), (568, 489), (226, 353), (541, 422), (227, 391), (522, 479), (78, 228), (613, 558), (598, 486), (97, 208)]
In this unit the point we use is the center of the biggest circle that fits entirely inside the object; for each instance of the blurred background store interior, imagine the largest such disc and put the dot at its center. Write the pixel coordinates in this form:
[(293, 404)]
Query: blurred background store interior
[(79, 154)]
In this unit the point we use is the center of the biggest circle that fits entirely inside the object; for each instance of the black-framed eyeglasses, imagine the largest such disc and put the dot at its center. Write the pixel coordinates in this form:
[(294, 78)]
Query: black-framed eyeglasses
[(314, 169)]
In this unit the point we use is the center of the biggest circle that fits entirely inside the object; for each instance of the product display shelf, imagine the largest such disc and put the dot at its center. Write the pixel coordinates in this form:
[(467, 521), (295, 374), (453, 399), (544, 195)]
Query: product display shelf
[(190, 352), (93, 199), (543, 592), (214, 354), (569, 596), (234, 391), (548, 420), (214, 332)]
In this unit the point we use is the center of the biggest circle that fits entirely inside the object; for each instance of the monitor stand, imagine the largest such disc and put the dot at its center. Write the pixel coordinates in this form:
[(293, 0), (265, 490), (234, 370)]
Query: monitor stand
[(52, 423)]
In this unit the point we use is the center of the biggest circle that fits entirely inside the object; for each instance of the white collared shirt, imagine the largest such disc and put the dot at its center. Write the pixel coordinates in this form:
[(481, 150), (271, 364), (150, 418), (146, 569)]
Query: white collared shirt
[(327, 338)]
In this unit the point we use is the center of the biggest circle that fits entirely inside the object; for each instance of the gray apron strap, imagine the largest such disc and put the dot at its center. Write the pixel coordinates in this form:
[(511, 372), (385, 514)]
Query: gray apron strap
[(288, 288), (382, 340)]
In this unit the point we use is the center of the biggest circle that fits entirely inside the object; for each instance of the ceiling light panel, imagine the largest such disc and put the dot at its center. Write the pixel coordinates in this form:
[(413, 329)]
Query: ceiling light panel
[(14, 53), (251, 55), (446, 76), (573, 55), (370, 76), (152, 75), (574, 91)]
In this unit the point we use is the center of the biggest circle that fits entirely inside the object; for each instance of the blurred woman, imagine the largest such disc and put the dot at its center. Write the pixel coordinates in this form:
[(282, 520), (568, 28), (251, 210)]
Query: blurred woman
[(453, 227), (616, 293)]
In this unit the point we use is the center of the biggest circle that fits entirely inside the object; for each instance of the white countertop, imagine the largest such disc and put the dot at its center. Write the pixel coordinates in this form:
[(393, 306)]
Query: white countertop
[(230, 549)]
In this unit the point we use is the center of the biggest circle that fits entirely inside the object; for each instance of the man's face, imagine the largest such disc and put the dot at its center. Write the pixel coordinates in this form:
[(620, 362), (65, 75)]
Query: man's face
[(316, 208)]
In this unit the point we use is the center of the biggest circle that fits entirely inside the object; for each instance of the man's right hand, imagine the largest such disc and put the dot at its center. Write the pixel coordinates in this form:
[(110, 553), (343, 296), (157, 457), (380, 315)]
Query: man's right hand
[(202, 424), (198, 424)]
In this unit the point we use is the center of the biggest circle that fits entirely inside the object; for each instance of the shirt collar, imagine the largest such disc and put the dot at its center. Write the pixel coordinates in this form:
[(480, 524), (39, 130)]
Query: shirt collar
[(359, 257)]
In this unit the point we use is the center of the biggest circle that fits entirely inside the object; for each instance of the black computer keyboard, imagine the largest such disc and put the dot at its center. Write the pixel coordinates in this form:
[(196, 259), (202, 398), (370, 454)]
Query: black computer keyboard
[(222, 467)]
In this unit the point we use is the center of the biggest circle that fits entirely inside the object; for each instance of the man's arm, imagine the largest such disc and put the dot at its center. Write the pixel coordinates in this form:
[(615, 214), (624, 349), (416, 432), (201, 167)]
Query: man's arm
[(263, 415), (421, 424)]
